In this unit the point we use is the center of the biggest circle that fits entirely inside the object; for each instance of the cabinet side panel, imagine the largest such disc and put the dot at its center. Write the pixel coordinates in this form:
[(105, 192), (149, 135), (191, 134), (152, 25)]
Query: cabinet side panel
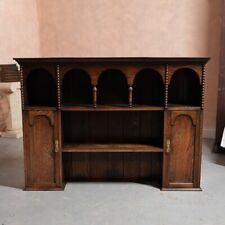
[(26, 144)]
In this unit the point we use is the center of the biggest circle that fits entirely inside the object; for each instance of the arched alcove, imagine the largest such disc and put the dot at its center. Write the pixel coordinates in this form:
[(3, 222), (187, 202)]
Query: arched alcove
[(112, 88), (185, 88), (148, 88), (41, 89), (76, 88)]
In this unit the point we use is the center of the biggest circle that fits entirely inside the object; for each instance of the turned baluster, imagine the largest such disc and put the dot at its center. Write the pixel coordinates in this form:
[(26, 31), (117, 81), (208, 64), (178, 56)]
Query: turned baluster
[(130, 96), (95, 96)]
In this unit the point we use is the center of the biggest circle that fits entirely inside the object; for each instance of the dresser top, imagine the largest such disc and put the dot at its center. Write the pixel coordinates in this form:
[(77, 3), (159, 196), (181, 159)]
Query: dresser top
[(201, 60)]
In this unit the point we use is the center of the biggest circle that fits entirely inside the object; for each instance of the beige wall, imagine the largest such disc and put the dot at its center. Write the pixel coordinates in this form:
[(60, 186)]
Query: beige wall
[(121, 28), (124, 28), (19, 30)]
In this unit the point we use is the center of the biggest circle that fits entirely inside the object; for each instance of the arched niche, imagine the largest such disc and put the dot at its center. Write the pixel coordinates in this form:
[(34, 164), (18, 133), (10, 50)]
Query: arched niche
[(41, 88), (148, 88), (76, 88), (112, 88), (185, 88)]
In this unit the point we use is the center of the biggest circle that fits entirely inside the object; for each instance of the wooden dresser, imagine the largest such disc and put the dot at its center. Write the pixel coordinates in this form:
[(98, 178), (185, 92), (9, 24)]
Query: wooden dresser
[(135, 119)]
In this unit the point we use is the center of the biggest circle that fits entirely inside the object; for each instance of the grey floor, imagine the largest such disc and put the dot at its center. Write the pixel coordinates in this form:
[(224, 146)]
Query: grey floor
[(110, 203)]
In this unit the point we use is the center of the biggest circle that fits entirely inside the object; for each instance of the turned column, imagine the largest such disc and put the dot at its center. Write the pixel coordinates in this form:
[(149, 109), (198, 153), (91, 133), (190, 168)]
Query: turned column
[(94, 96), (130, 91)]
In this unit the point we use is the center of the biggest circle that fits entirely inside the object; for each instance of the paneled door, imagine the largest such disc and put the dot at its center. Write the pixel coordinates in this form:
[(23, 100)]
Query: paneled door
[(182, 150), (42, 153)]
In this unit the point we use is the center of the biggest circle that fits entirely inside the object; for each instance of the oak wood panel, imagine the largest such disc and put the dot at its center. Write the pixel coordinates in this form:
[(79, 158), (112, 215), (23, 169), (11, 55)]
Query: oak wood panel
[(113, 166), (42, 163), (113, 128), (98, 165), (182, 157)]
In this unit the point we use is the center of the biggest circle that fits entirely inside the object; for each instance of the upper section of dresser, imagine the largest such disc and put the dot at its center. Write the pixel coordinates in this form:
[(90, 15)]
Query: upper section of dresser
[(102, 84)]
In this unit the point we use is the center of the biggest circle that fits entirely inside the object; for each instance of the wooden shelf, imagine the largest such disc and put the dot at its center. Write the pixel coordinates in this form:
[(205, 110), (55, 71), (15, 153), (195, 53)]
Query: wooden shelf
[(183, 107), (94, 147), (112, 108), (46, 108)]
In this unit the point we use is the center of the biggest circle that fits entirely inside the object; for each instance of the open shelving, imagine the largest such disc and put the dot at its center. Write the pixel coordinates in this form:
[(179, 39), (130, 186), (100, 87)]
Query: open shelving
[(185, 89), (41, 89), (76, 88), (112, 88), (148, 88), (122, 131)]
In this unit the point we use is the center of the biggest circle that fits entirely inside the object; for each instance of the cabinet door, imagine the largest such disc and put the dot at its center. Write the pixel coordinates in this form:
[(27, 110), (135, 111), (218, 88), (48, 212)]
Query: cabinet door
[(182, 153), (42, 156)]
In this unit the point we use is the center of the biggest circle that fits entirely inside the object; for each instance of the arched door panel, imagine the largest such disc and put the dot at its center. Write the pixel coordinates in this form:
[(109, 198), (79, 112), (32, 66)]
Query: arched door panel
[(182, 149)]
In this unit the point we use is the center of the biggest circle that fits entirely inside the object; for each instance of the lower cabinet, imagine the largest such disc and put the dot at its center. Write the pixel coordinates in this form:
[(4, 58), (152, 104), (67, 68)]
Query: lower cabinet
[(42, 152), (43, 157), (182, 150)]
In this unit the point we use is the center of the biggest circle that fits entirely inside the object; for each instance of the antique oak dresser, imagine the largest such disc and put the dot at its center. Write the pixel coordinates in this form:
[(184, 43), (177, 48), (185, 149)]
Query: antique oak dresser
[(117, 119)]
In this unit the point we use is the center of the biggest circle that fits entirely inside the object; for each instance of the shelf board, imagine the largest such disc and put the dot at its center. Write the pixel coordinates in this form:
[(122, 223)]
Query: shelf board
[(112, 108), (183, 107), (115, 147), (40, 108)]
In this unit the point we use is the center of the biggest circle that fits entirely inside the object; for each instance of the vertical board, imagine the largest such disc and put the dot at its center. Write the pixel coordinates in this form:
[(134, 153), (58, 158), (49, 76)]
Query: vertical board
[(42, 169)]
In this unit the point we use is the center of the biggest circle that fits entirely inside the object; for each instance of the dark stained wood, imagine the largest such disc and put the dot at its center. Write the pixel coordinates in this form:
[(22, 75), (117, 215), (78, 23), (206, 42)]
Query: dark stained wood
[(181, 150), (119, 60), (98, 165), (156, 166), (146, 166), (81, 168), (123, 127), (136, 119), (113, 166), (131, 165)]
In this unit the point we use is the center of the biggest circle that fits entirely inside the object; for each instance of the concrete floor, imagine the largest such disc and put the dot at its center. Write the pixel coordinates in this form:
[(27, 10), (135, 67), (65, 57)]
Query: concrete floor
[(110, 203)]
